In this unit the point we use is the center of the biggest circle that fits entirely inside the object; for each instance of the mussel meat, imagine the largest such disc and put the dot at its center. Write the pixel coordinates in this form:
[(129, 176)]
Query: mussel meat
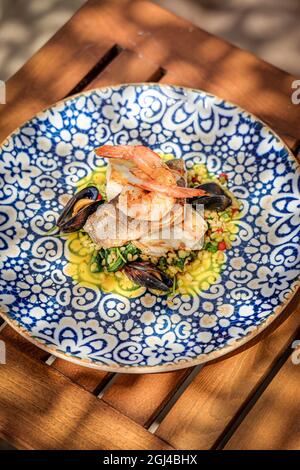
[(146, 274), (78, 209), (216, 198)]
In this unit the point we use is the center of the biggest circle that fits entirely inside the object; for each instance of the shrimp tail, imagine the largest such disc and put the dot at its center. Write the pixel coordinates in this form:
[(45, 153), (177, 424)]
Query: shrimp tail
[(115, 151)]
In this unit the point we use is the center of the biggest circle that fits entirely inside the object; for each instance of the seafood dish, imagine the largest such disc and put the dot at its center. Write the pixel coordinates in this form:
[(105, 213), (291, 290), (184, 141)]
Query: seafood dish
[(151, 218), (146, 228)]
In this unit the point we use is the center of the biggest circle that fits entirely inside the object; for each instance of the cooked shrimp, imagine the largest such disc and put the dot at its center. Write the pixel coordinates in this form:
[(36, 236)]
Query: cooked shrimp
[(143, 205), (141, 156), (146, 170)]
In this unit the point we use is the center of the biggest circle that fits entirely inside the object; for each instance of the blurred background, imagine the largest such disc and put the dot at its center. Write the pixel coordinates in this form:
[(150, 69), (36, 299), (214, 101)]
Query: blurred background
[(269, 28)]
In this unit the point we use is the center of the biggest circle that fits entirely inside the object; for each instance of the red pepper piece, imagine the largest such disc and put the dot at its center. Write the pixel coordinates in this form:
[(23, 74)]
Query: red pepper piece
[(221, 246)]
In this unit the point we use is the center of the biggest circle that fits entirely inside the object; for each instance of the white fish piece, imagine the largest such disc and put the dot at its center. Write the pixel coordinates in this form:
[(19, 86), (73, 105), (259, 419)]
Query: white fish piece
[(114, 184), (108, 227), (186, 234)]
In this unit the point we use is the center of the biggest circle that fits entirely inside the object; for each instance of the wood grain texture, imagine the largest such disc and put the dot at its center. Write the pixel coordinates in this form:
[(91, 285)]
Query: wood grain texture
[(128, 67), (90, 379), (274, 421), (9, 334), (41, 409), (141, 397), (216, 395)]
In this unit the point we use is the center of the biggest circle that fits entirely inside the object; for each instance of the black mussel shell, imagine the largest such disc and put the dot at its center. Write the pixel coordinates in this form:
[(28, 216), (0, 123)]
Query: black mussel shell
[(216, 198), (90, 192), (212, 188), (77, 221), (146, 274)]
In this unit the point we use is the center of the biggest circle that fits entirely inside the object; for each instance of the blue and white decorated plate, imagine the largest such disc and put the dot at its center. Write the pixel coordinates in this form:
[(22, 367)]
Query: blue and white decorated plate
[(43, 160)]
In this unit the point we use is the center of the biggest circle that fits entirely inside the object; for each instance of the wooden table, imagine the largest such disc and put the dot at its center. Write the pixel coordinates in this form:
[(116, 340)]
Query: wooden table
[(246, 401)]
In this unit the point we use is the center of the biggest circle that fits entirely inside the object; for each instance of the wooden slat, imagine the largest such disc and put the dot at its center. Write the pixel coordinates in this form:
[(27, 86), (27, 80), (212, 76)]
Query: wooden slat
[(274, 421), (41, 409), (215, 396), (9, 334), (128, 67), (141, 397), (90, 379)]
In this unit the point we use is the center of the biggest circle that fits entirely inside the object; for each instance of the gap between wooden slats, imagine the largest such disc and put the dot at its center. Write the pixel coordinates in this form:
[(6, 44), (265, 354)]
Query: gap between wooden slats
[(96, 70), (296, 150), (210, 404), (128, 67), (90, 379), (142, 397)]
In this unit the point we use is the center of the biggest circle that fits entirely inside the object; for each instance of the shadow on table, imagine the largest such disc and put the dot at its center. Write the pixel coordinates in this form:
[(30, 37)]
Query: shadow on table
[(269, 29)]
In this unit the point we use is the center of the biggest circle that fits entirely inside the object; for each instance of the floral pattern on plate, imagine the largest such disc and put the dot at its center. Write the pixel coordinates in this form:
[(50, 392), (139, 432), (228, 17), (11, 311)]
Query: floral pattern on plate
[(44, 159)]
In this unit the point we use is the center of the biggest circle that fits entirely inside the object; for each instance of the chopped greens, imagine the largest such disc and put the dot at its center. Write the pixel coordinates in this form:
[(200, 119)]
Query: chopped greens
[(211, 246), (113, 259)]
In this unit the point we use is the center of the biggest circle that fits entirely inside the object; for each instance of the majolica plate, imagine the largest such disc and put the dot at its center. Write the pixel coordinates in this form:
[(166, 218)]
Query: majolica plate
[(42, 162)]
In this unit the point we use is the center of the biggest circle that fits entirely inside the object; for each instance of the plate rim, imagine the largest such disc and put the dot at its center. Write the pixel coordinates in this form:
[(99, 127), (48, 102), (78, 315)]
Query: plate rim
[(203, 358)]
